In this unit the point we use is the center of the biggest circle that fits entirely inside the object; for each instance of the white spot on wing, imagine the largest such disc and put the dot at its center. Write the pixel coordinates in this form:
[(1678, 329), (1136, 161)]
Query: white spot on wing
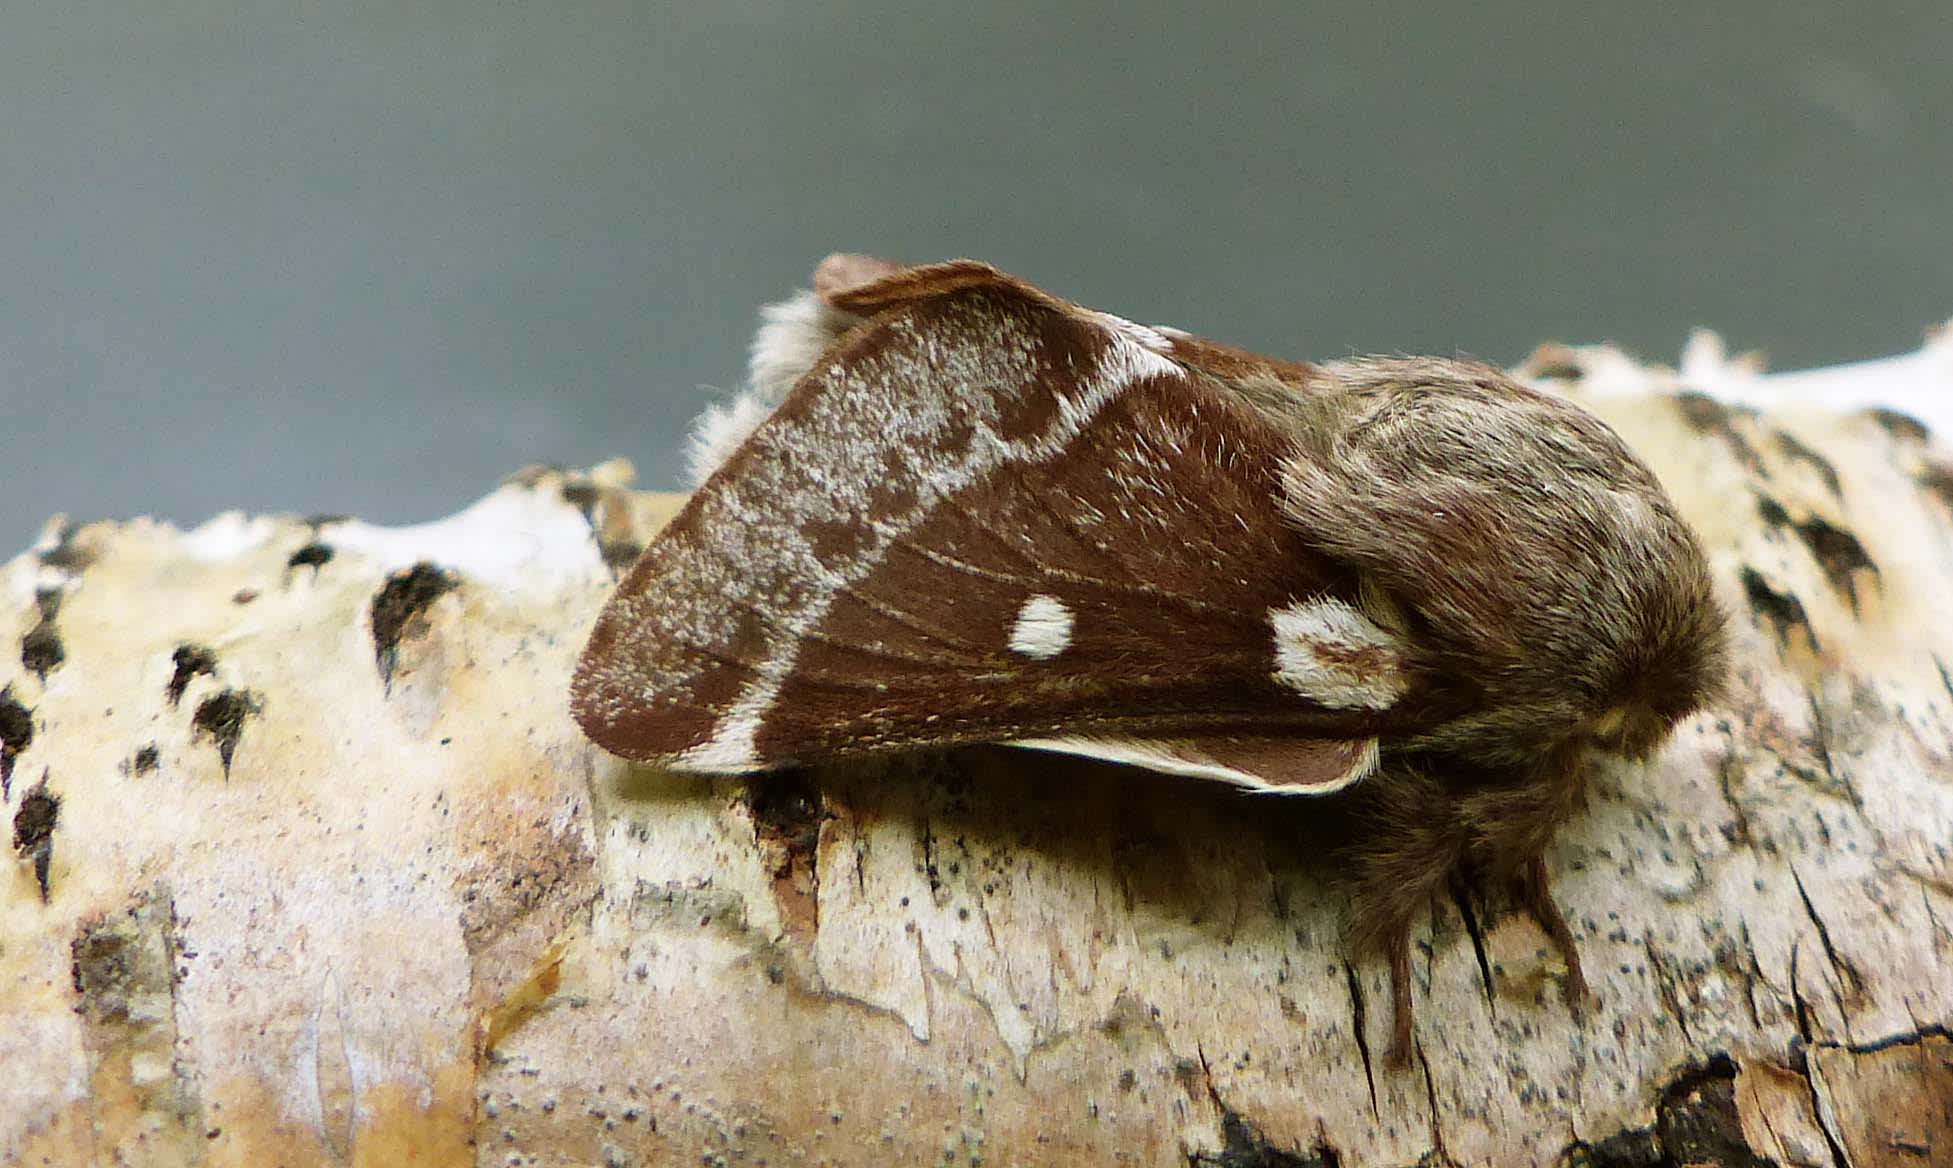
[(1043, 628), (1335, 656)]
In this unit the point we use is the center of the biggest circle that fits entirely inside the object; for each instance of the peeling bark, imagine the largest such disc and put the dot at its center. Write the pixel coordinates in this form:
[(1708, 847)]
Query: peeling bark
[(311, 867)]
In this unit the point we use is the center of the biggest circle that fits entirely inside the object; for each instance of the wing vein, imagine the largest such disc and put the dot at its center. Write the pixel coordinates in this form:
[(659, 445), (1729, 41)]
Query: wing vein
[(823, 677), (934, 664), (1050, 573), (912, 622)]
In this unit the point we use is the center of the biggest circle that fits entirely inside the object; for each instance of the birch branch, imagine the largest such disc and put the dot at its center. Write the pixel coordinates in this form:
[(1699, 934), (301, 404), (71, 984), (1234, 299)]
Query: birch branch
[(311, 867)]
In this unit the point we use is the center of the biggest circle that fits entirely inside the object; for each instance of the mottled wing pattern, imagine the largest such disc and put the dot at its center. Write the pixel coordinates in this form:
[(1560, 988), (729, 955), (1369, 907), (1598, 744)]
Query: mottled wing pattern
[(987, 515)]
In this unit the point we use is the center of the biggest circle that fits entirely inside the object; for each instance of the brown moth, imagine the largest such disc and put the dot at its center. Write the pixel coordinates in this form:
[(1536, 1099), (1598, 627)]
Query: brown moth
[(982, 514)]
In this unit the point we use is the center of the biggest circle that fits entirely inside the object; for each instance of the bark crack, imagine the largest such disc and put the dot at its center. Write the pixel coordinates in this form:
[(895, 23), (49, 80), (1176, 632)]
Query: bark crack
[(1752, 975), (1461, 897), (929, 869), (1820, 740), (1362, 1039), (1850, 983), (1243, 1145), (1665, 985), (1911, 1037), (1740, 835), (1438, 1153), (1826, 1115), (1821, 1112), (1800, 1009), (1940, 932)]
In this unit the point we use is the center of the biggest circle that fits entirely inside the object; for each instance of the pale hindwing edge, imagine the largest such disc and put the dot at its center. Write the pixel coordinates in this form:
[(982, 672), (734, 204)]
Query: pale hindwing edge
[(1188, 758)]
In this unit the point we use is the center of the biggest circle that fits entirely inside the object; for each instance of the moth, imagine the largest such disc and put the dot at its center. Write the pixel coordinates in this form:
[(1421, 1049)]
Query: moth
[(982, 514)]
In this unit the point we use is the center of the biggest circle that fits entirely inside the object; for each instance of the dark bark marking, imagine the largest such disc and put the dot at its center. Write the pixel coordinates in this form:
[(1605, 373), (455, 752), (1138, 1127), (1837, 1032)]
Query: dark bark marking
[(1696, 1124), (191, 661), (1937, 479), (1781, 610), (1900, 425), (1244, 1146), (1796, 451), (619, 552), (314, 555), (787, 812), (581, 495), (1800, 1009), (125, 966), (66, 555), (41, 650), (1697, 1119), (1772, 513), (222, 718), (1839, 554), (1801, 1063), (1739, 833), (399, 610), (34, 822), (1836, 783), (16, 735), (1706, 415)]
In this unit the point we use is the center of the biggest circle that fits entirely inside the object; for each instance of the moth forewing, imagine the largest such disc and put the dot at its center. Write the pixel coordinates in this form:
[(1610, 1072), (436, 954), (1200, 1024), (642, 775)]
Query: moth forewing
[(984, 515)]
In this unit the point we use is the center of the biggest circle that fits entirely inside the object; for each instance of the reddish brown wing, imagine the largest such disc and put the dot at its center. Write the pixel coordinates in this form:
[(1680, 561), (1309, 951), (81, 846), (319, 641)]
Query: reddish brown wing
[(987, 515)]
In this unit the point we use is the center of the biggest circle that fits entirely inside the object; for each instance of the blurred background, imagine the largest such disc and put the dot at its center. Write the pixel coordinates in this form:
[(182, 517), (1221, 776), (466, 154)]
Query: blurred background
[(372, 257)]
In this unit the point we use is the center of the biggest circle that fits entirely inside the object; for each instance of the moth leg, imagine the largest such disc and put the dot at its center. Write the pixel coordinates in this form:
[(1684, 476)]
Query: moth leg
[(1400, 997), (1382, 927), (1412, 841), (1537, 895)]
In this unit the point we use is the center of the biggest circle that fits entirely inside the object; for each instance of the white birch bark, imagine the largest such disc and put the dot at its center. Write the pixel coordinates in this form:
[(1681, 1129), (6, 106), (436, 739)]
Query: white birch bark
[(311, 867)]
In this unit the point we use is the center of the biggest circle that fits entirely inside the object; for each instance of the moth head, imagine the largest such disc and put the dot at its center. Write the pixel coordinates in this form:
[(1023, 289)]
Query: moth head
[(1633, 732), (1675, 660)]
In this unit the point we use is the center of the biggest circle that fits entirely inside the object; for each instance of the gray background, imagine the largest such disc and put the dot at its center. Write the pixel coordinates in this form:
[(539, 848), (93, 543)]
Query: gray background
[(370, 257)]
